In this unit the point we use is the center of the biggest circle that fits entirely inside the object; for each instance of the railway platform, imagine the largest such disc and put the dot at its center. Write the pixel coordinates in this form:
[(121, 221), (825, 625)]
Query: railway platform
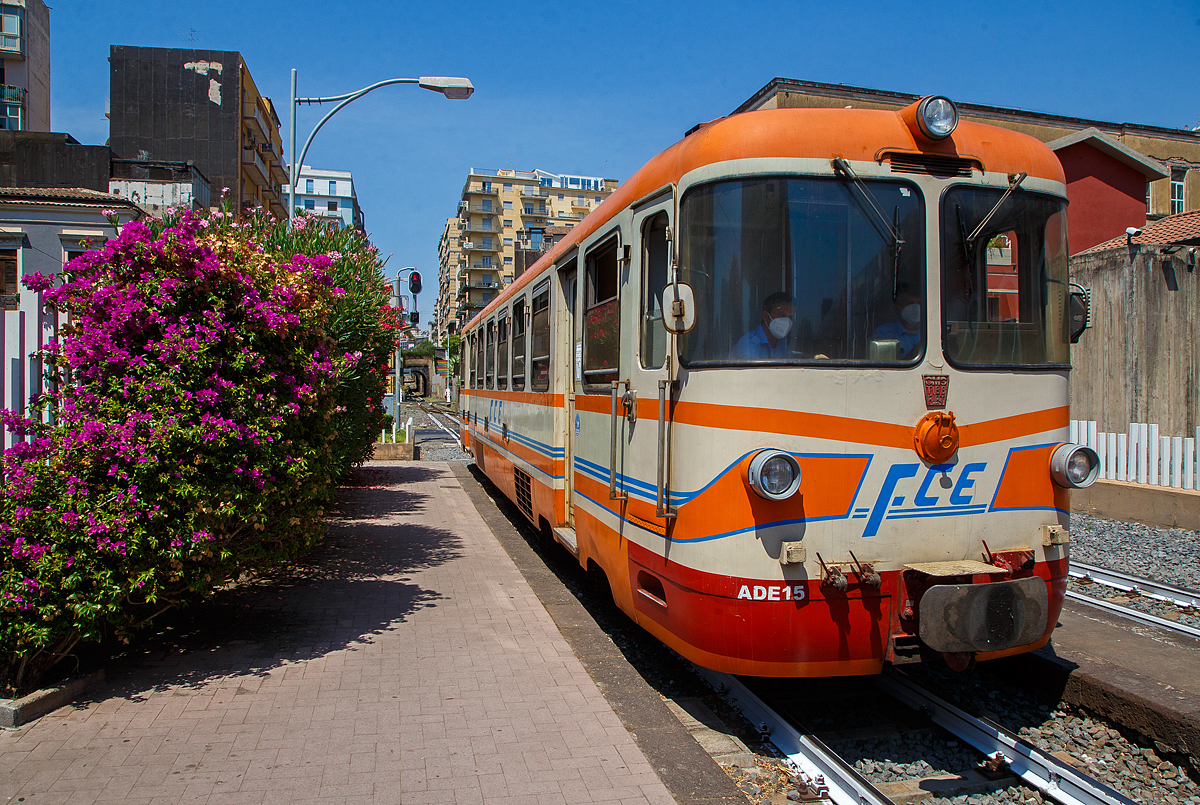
[(409, 661)]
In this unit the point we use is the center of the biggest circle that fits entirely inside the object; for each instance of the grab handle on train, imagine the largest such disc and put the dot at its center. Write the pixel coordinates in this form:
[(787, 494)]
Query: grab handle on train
[(661, 508), (613, 494)]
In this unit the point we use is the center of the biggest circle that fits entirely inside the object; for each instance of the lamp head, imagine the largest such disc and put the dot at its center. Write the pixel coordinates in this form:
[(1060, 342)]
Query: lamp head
[(456, 89)]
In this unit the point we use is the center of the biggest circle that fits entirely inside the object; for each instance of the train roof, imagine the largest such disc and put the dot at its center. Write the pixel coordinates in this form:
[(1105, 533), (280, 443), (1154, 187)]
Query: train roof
[(853, 134)]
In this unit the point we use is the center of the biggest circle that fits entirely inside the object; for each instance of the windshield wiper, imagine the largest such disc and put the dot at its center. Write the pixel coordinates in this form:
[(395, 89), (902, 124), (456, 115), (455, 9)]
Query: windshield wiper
[(842, 168), (1014, 181)]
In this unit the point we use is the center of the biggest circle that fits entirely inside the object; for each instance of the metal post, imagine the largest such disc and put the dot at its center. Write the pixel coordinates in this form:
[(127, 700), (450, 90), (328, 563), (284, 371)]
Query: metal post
[(294, 168)]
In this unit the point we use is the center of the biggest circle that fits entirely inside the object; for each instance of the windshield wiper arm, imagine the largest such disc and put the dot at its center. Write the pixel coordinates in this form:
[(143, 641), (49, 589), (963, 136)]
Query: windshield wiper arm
[(1014, 181), (842, 168)]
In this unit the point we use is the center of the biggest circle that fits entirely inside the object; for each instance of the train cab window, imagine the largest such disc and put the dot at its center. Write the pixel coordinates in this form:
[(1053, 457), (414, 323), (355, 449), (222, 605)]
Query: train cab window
[(602, 316), (490, 359), (654, 278), (1004, 287), (804, 270), (539, 360), (502, 353), (518, 345), (474, 380)]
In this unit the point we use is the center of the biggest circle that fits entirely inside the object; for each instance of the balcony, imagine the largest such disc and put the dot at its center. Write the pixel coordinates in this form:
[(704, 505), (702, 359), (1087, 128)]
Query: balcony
[(570, 216), (466, 210), (470, 246), (578, 204), (251, 157), (255, 120), (491, 189), (535, 192), (14, 94)]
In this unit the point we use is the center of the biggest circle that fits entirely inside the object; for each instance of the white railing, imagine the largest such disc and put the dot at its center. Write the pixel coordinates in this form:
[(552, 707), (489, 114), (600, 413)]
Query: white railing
[(1142, 455)]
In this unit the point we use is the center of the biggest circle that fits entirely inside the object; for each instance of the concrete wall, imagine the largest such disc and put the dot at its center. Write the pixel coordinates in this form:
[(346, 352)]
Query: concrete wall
[(1140, 362)]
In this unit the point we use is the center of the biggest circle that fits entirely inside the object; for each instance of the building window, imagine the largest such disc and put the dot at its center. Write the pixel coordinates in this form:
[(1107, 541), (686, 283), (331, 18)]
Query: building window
[(310, 204), (508, 205), (10, 33), (487, 205), (508, 261), (487, 261), (508, 185), (529, 209), (535, 238), (332, 188), (487, 280), (487, 242), (561, 196), (598, 199), (308, 185), (508, 241), (487, 224), (333, 206), (1177, 177), (11, 117), (507, 224)]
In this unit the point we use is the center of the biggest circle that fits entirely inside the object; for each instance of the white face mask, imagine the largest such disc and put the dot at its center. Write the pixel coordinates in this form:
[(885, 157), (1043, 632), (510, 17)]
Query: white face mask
[(780, 327), (911, 314)]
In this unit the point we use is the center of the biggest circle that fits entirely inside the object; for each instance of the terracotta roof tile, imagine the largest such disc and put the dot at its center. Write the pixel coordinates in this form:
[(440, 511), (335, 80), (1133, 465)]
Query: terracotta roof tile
[(1180, 228), (64, 194)]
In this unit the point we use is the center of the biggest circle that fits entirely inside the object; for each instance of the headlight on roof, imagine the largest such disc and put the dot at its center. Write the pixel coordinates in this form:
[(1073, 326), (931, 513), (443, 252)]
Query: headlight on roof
[(937, 116), (1074, 466), (774, 474)]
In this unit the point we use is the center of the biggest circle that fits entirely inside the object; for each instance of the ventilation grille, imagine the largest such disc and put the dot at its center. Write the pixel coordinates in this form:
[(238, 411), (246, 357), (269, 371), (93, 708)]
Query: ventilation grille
[(942, 167), (524, 501)]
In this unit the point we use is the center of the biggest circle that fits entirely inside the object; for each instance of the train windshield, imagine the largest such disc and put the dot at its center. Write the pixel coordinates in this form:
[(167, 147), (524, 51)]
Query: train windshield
[(1004, 279), (804, 270)]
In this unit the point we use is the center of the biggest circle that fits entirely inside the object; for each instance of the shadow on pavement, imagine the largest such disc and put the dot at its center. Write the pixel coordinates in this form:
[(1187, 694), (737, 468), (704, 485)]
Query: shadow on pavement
[(352, 588)]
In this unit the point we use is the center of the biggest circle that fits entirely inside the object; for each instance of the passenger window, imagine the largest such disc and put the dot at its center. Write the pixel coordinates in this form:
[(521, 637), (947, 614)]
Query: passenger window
[(540, 346), (490, 371), (474, 377), (654, 280), (518, 345), (602, 317), (502, 353)]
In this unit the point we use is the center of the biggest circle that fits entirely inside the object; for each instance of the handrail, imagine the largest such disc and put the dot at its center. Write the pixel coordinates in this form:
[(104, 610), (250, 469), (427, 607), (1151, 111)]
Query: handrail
[(662, 506), (613, 494)]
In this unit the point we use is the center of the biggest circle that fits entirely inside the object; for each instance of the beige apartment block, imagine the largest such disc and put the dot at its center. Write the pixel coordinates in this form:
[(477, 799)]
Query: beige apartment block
[(502, 220), (1178, 149)]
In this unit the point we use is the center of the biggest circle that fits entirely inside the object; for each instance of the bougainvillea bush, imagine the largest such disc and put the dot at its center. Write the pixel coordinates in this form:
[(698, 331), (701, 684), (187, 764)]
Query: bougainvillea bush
[(214, 382)]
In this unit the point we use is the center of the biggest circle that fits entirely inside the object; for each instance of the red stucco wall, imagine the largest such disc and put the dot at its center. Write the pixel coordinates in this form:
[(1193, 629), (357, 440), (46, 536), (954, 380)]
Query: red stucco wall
[(1106, 196)]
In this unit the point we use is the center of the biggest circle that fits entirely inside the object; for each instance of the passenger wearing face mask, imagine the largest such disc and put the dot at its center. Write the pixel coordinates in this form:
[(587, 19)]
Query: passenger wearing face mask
[(906, 328), (768, 340)]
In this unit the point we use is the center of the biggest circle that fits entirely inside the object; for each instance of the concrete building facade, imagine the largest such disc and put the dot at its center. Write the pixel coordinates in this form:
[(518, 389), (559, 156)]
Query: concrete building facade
[(329, 194), (502, 212), (25, 65), (199, 106), (1170, 178)]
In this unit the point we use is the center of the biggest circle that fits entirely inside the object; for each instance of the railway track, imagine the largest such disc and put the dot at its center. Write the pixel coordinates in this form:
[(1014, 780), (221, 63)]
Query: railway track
[(1136, 587), (1005, 758)]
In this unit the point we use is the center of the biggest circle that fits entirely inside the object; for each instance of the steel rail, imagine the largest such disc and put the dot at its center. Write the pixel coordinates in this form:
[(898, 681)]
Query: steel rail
[(820, 768), (1049, 775), (438, 422), (1180, 596), (1134, 614)]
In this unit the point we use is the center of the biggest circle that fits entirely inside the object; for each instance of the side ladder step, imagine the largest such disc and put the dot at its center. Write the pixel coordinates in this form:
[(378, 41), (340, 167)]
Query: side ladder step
[(566, 536)]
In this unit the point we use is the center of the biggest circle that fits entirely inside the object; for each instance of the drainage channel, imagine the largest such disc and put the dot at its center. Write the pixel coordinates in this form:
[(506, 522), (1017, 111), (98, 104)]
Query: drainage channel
[(829, 777)]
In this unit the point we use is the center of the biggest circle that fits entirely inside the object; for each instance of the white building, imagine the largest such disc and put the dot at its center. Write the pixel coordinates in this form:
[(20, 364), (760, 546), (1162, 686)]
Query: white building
[(329, 194)]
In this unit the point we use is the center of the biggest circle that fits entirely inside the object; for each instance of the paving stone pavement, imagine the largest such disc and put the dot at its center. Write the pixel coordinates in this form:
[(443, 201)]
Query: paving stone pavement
[(409, 663)]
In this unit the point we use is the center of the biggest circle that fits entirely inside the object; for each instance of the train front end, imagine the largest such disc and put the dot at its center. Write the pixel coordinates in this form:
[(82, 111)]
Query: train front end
[(868, 450)]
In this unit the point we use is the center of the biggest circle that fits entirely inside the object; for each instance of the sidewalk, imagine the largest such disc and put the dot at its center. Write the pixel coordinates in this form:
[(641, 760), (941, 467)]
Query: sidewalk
[(409, 663)]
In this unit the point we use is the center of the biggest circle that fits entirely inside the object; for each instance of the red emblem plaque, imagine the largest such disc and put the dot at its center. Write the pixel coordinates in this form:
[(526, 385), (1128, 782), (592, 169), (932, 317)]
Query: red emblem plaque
[(936, 389)]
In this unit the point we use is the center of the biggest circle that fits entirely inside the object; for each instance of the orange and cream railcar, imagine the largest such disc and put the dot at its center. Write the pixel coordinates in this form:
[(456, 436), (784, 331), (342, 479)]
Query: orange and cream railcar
[(799, 388)]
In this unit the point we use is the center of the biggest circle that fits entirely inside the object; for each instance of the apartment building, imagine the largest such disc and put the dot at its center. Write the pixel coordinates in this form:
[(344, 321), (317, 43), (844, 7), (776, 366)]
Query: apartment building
[(25, 65), (445, 310), (500, 213), (329, 194), (203, 107)]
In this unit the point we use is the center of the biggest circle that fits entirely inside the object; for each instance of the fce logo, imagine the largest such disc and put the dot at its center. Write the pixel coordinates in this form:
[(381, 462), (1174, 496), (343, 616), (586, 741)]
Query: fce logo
[(928, 501)]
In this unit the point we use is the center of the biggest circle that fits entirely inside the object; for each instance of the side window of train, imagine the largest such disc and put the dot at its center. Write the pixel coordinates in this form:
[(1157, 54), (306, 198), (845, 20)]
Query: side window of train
[(502, 352), (539, 360), (602, 316), (490, 366), (478, 370), (473, 382), (654, 279), (518, 345)]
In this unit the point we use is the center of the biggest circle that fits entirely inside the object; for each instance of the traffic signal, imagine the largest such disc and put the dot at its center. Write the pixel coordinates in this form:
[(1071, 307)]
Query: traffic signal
[(414, 318), (414, 282)]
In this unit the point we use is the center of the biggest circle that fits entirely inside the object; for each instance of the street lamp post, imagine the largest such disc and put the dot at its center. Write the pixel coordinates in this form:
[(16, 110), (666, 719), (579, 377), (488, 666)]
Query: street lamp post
[(452, 88)]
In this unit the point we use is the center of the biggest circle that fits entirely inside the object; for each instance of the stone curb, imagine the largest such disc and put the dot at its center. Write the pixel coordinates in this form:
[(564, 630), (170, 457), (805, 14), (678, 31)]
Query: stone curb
[(396, 452), (15, 712), (1159, 506)]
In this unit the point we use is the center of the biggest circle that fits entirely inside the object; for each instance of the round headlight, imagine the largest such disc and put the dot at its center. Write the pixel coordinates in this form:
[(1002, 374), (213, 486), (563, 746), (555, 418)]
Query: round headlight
[(937, 117), (774, 474), (1074, 466)]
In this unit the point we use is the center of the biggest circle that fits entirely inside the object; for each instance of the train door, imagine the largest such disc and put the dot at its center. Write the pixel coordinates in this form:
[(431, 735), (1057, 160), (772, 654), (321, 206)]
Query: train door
[(646, 363), (568, 284)]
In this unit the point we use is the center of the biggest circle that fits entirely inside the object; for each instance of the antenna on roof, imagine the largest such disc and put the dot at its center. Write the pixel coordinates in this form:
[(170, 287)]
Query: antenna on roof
[(190, 35)]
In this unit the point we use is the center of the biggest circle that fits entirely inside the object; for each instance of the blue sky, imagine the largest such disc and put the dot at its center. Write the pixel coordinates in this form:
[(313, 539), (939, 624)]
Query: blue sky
[(599, 88)]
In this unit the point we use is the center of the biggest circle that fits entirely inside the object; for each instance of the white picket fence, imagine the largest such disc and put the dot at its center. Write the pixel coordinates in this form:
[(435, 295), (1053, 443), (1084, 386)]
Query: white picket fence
[(1141, 455)]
